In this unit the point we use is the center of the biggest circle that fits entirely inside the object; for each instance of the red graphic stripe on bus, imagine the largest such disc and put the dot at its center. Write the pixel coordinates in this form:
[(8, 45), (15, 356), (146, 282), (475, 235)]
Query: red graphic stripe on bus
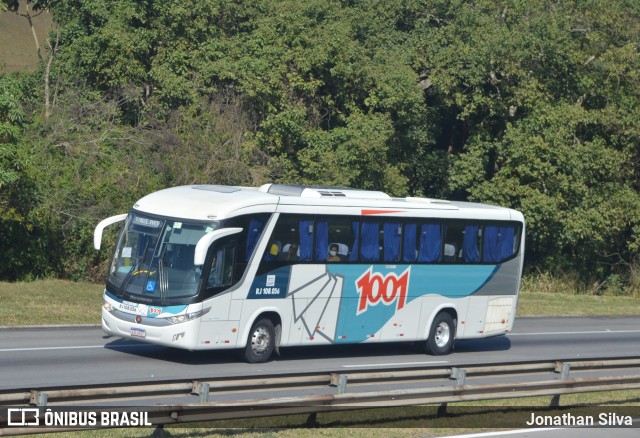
[(366, 212)]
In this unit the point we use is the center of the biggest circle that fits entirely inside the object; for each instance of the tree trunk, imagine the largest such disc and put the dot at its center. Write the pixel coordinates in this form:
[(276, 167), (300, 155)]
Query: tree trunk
[(47, 76), (33, 31)]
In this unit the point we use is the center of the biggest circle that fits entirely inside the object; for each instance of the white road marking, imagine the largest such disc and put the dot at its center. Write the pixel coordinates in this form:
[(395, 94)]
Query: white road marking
[(75, 347), (587, 332), (395, 364)]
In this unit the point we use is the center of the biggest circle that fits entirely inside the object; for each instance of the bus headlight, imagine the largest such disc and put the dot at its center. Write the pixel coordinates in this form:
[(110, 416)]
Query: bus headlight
[(107, 306), (187, 317)]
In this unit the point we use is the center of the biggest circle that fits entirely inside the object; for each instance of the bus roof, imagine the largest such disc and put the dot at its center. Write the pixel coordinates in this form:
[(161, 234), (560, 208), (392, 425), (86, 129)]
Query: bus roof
[(213, 202)]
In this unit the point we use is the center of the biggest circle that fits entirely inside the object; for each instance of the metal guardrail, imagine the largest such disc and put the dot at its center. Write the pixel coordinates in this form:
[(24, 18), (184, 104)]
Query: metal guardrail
[(321, 392)]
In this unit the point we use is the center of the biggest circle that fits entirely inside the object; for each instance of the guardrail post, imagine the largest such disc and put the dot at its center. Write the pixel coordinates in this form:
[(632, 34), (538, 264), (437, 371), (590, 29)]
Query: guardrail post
[(38, 398), (459, 374), (204, 392), (342, 384), (201, 389), (563, 368), (339, 380)]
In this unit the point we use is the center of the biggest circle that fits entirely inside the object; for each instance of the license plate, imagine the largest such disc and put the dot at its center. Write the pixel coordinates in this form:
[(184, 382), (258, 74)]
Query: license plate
[(140, 333)]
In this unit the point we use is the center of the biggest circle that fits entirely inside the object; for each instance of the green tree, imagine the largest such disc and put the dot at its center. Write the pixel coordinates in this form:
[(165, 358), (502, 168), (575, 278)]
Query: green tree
[(540, 99), (24, 252), (12, 121), (532, 105)]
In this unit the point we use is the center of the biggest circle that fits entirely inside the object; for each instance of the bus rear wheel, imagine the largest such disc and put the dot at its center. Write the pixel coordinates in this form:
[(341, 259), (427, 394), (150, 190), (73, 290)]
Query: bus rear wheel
[(261, 341), (441, 335)]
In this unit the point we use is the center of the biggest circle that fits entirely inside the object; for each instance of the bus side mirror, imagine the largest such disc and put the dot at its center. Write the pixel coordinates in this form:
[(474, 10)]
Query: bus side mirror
[(97, 233), (205, 242)]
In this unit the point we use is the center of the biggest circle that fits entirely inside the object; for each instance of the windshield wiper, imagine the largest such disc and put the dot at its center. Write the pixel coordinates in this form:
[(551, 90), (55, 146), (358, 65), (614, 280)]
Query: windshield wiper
[(163, 279)]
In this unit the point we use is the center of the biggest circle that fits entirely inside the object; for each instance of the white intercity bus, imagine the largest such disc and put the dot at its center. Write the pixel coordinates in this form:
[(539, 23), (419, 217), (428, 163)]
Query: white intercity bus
[(218, 267)]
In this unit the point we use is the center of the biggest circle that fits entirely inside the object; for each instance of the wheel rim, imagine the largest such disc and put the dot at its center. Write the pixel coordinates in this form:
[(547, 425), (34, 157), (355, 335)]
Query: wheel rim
[(260, 340), (443, 333)]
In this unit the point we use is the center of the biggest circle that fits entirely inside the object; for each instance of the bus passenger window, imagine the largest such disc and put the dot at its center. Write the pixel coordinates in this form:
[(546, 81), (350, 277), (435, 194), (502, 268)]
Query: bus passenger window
[(370, 242), (409, 243), (430, 248), (254, 232), (392, 235), (462, 242), (499, 243), (291, 240), (330, 231), (471, 243)]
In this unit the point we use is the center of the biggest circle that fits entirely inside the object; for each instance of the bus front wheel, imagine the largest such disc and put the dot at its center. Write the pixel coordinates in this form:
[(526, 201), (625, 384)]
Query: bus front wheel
[(261, 341), (441, 335)]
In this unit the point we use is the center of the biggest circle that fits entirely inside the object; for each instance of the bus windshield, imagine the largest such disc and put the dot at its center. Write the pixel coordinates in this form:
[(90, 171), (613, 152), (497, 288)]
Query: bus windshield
[(154, 258)]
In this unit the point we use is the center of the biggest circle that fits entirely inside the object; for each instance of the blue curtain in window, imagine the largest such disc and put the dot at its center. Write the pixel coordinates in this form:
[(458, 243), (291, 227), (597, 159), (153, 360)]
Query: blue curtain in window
[(491, 248), (306, 240), (355, 225), (322, 241), (470, 244), (498, 243), (430, 243), (409, 251), (391, 242), (370, 248), (507, 243), (253, 234)]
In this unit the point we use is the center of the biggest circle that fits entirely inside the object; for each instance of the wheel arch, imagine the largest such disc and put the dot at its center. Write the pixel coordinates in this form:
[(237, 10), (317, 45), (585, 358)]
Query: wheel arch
[(449, 308), (270, 313)]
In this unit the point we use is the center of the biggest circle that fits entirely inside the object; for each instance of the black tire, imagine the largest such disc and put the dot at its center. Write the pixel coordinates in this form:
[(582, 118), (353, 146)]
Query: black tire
[(261, 341), (441, 335)]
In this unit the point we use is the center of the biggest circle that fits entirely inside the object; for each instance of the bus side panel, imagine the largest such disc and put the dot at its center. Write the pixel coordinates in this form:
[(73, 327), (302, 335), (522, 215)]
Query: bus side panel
[(313, 297), (315, 326), (492, 308), (392, 302), (218, 335), (340, 303), (219, 326), (354, 327), (404, 325), (504, 281), (474, 317), (489, 316)]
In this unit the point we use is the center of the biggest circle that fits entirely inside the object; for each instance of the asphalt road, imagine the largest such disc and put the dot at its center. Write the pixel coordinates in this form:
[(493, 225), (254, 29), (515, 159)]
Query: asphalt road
[(57, 356)]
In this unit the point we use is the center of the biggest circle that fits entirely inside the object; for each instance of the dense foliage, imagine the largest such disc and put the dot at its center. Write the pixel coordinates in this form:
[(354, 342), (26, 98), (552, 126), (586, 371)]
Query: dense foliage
[(527, 104)]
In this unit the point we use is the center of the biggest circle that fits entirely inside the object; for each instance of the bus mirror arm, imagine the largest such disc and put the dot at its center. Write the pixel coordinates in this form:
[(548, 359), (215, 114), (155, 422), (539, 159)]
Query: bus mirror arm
[(205, 242), (97, 233)]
